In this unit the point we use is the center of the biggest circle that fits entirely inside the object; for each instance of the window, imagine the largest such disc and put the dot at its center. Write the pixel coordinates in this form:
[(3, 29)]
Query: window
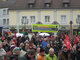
[(32, 19), (66, 4), (63, 19), (78, 19), (47, 5), (4, 12), (24, 20), (7, 12), (4, 21), (7, 21), (47, 19)]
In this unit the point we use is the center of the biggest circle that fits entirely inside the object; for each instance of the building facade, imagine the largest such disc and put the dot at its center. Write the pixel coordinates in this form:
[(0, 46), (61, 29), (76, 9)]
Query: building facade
[(27, 12)]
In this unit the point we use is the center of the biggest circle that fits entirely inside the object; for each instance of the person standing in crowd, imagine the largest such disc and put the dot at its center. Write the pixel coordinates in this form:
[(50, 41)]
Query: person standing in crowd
[(78, 53), (30, 55), (9, 53), (41, 54), (64, 55), (44, 43), (26, 47), (51, 55), (16, 54), (31, 44), (2, 52), (78, 43), (37, 54), (47, 48), (15, 41), (73, 52), (23, 39), (19, 41), (56, 49), (6, 47), (34, 39), (22, 52)]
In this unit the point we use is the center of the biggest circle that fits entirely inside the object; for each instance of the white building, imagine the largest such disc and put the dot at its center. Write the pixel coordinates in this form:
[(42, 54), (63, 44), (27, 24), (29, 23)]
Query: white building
[(4, 18)]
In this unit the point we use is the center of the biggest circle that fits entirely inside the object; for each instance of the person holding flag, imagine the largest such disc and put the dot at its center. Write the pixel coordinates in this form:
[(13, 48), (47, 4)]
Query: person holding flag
[(65, 55)]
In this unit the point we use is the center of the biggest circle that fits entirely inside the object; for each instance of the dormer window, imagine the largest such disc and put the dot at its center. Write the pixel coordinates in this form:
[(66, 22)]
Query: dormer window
[(31, 5), (47, 5), (65, 4)]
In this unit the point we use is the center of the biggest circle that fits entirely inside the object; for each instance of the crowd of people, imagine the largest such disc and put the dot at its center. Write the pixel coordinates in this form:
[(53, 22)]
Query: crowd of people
[(39, 48)]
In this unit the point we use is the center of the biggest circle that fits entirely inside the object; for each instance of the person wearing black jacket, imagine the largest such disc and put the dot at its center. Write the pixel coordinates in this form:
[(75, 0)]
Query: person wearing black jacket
[(6, 47), (73, 53), (64, 55), (78, 53), (47, 48), (30, 55)]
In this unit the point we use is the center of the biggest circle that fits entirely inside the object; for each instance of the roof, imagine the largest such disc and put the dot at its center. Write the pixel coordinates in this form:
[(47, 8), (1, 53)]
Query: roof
[(39, 4), (31, 1), (68, 1), (48, 1)]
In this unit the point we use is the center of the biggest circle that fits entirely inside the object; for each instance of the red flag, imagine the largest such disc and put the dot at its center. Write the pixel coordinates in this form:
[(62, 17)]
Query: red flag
[(76, 40), (79, 38), (15, 41), (2, 37), (67, 42), (15, 36)]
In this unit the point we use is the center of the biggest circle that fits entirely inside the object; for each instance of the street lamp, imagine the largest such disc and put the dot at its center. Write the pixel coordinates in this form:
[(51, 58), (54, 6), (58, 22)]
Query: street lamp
[(71, 32)]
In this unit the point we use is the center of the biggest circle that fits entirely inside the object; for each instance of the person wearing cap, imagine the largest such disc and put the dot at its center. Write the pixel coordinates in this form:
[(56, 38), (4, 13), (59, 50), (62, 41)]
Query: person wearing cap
[(51, 55), (16, 53), (30, 55), (2, 52), (64, 55), (9, 53), (41, 54)]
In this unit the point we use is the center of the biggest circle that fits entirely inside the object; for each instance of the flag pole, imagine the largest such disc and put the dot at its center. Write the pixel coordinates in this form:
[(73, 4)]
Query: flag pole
[(2, 35)]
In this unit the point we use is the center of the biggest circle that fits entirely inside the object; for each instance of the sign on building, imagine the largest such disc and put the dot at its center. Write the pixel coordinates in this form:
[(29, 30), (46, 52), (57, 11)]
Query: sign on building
[(45, 28)]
